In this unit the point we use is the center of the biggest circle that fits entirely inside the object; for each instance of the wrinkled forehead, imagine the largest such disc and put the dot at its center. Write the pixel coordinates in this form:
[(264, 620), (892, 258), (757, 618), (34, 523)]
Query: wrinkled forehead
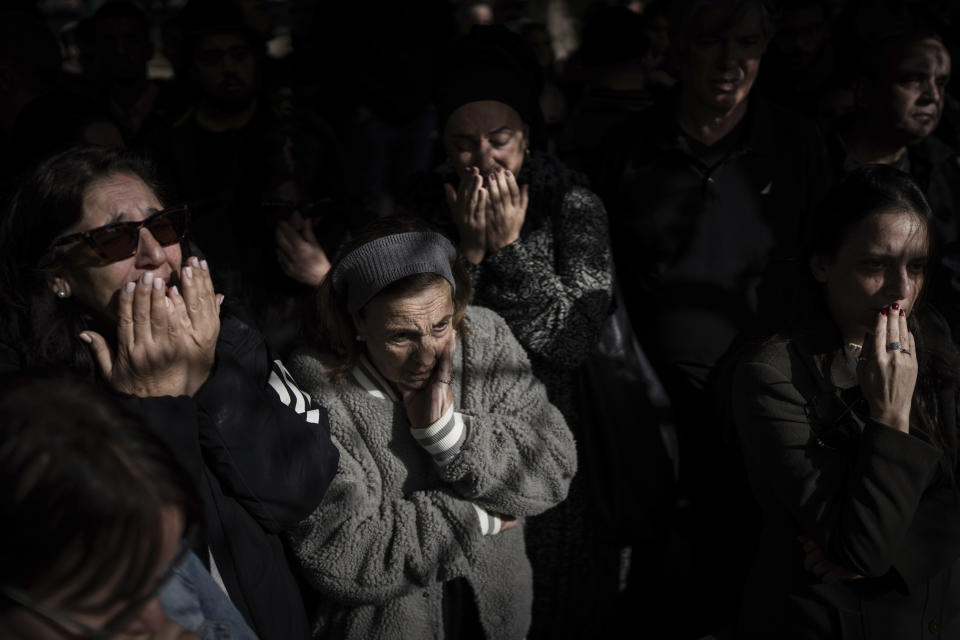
[(115, 198), (893, 232), (924, 54)]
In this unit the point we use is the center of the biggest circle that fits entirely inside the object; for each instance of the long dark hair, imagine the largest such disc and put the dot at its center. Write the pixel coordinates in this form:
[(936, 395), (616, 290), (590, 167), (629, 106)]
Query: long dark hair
[(40, 328), (83, 486), (868, 190)]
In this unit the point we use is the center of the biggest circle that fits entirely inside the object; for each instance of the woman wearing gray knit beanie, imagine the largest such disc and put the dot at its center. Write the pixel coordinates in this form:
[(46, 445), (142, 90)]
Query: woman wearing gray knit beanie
[(448, 443)]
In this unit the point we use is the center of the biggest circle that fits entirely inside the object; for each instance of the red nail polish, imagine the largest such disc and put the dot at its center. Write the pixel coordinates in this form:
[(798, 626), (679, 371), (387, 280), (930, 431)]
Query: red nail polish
[(895, 306), (883, 312), (901, 312)]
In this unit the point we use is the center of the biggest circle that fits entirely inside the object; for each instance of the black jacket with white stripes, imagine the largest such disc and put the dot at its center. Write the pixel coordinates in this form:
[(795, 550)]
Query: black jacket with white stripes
[(259, 450)]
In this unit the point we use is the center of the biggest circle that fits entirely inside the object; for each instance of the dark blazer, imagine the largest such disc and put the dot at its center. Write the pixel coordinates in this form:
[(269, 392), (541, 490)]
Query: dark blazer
[(876, 501)]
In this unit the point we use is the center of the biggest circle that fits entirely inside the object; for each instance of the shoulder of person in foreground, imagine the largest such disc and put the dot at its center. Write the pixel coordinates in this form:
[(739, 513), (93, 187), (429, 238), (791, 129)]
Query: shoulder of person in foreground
[(264, 438)]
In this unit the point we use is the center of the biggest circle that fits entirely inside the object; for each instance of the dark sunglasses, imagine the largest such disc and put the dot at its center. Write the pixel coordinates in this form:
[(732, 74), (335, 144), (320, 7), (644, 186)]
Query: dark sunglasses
[(118, 241), (119, 622)]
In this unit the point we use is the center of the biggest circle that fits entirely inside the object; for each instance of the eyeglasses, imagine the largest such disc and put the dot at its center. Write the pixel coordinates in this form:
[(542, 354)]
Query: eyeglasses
[(118, 241), (119, 622)]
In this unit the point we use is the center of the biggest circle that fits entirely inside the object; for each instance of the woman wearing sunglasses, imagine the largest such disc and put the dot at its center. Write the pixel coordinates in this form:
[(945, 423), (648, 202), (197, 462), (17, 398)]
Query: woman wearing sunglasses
[(94, 277)]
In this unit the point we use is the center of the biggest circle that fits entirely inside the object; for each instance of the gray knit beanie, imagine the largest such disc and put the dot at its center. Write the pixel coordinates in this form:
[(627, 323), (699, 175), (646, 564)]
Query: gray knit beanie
[(366, 270)]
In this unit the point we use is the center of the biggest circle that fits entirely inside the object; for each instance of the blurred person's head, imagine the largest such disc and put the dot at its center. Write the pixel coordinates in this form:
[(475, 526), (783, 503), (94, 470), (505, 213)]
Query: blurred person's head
[(95, 511), (656, 18), (901, 87), (538, 38), (171, 45), (30, 61), (122, 42), (803, 29), (718, 46), (489, 109), (51, 125), (221, 53), (397, 294), (614, 40), (80, 226), (85, 38), (474, 12)]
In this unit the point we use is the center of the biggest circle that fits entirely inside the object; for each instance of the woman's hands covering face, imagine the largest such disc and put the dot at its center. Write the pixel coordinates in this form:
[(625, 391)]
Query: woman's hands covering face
[(427, 405), (468, 205), (887, 377), (165, 341), (487, 218), (507, 210)]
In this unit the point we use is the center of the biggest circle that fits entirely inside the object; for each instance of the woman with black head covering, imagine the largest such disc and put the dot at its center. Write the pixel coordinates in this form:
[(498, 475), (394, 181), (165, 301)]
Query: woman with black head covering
[(534, 241)]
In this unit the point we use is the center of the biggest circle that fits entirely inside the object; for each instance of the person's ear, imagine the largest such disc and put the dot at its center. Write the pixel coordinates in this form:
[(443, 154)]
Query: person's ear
[(819, 267), (359, 327), (59, 285)]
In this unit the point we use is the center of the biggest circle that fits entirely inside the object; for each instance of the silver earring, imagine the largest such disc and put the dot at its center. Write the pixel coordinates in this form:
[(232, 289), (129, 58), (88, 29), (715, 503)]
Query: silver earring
[(62, 294)]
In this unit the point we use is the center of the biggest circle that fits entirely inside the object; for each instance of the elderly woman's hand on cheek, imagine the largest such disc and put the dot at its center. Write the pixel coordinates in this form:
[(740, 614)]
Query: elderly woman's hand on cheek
[(427, 405), (165, 341)]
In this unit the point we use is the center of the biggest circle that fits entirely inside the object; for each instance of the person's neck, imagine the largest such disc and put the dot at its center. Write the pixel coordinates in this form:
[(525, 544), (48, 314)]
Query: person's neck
[(126, 94), (215, 119), (862, 144), (707, 124)]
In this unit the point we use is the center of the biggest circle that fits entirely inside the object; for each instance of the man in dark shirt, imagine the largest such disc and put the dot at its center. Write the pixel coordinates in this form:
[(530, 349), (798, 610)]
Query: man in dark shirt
[(899, 98), (201, 154), (704, 190)]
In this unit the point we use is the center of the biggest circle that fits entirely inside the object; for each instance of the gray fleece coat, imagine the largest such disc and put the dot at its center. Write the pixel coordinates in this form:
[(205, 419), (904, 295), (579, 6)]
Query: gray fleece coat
[(396, 523)]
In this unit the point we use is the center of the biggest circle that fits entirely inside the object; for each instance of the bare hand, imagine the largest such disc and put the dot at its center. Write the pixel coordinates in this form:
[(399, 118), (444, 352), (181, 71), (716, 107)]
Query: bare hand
[(427, 405), (888, 377), (506, 522), (468, 206), (198, 310), (507, 211), (299, 253), (816, 563), (150, 358)]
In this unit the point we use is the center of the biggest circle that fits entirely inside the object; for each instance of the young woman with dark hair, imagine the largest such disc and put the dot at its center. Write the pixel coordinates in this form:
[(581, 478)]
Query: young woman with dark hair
[(848, 424)]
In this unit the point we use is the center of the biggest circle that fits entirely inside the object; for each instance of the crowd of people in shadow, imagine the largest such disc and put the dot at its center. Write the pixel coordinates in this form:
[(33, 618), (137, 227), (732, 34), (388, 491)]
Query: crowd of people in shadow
[(412, 328)]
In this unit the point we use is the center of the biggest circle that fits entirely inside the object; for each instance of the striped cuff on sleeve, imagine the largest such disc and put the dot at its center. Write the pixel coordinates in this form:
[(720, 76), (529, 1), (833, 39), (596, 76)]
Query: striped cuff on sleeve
[(489, 524), (444, 438)]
